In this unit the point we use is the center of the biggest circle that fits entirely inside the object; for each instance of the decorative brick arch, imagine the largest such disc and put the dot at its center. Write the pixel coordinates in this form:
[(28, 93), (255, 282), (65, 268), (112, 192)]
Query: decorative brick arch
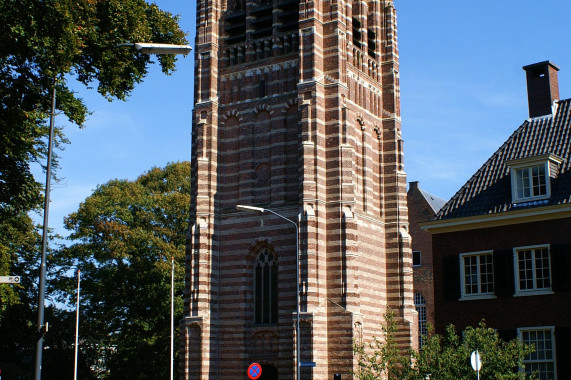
[(233, 113), (262, 108), (291, 103), (257, 247)]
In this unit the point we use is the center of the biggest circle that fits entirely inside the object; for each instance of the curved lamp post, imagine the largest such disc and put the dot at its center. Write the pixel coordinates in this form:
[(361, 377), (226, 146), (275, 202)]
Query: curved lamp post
[(143, 47), (260, 210)]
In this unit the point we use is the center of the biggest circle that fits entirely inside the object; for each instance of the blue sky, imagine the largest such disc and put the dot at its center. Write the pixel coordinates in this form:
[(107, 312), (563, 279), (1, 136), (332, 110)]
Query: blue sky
[(462, 94)]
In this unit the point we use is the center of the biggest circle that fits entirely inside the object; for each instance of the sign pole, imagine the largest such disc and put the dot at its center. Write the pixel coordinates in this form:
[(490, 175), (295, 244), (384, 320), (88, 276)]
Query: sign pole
[(77, 325), (172, 318), (476, 362)]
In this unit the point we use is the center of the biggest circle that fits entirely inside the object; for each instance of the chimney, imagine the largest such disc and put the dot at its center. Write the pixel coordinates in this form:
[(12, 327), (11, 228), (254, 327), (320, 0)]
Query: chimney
[(542, 87), (413, 185)]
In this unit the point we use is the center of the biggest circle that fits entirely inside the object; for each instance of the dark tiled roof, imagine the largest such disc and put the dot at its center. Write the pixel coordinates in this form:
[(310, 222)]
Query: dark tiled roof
[(489, 189)]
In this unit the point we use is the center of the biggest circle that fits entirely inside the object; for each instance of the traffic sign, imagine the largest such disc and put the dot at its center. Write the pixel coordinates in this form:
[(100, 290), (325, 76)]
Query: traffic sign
[(254, 371), (476, 362), (307, 364), (9, 279)]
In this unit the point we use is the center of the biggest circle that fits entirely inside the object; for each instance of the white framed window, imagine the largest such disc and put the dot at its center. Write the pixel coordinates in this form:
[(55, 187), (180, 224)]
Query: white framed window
[(530, 177), (530, 183), (532, 270), (416, 258), (542, 361), (420, 305), (477, 275)]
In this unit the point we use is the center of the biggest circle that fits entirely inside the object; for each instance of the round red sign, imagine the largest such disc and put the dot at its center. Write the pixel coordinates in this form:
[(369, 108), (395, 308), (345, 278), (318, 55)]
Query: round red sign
[(254, 371)]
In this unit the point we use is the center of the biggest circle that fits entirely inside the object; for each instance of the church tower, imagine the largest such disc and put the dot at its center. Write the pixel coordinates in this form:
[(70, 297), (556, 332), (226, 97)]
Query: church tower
[(297, 110)]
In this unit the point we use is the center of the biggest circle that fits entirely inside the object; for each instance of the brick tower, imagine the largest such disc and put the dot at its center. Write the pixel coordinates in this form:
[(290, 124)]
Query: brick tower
[(297, 110)]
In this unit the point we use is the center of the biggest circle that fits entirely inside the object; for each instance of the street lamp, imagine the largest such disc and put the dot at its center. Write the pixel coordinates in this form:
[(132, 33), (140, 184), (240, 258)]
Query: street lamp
[(143, 47), (152, 48), (260, 210)]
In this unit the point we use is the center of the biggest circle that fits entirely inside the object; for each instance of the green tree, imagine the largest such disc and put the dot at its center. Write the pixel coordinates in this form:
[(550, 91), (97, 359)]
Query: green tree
[(19, 243), (124, 236), (442, 357), (19, 253), (48, 43)]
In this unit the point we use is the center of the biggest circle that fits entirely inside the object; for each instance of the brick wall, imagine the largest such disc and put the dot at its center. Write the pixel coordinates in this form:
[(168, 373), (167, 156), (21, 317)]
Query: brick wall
[(420, 211), (505, 312)]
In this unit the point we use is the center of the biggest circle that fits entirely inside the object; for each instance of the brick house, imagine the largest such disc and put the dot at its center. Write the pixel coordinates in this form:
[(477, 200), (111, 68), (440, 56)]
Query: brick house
[(297, 110), (422, 207), (502, 244)]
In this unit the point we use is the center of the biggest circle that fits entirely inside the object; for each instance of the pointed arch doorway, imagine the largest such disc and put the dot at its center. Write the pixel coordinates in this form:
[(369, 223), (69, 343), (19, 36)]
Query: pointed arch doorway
[(269, 372)]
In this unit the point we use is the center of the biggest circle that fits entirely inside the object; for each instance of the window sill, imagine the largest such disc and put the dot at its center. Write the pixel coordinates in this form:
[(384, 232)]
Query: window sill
[(530, 202), (477, 297), (539, 292)]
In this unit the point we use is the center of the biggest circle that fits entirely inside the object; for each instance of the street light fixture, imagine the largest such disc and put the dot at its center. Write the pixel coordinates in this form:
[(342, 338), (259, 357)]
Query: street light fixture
[(260, 210), (152, 48), (143, 47)]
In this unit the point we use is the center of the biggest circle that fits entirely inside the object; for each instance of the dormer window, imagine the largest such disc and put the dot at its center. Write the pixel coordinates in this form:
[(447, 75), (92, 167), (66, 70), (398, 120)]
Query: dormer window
[(530, 177), (530, 182)]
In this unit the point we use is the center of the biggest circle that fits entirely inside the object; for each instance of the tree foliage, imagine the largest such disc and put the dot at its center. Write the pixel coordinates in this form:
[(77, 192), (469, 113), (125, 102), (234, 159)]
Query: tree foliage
[(47, 43), (20, 244), (124, 236), (442, 357)]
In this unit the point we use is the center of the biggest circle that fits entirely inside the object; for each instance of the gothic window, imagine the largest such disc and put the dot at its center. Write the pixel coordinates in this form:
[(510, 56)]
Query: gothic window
[(266, 289)]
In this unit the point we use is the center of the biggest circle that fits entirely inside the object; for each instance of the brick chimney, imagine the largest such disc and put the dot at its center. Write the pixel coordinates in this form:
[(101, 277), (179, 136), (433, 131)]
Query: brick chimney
[(542, 87), (413, 185)]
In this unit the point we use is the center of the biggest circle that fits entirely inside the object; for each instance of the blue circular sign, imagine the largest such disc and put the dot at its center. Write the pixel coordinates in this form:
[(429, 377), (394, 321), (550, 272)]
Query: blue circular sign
[(254, 371)]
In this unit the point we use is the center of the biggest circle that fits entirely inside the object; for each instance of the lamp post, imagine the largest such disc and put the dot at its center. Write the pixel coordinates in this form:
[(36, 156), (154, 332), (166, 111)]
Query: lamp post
[(260, 210), (143, 47), (42, 326)]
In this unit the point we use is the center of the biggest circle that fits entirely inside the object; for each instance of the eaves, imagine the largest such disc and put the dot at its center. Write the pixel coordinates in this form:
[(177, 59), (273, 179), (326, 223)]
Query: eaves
[(527, 215)]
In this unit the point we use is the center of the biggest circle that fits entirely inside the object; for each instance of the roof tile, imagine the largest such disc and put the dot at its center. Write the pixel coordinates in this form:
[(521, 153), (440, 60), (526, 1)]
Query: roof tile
[(488, 191)]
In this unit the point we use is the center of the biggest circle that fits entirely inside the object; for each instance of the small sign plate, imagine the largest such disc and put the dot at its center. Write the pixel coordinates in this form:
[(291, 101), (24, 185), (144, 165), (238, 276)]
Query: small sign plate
[(307, 364), (9, 279)]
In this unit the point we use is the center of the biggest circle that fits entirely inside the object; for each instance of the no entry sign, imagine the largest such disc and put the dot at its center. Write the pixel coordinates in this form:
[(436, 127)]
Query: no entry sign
[(254, 371)]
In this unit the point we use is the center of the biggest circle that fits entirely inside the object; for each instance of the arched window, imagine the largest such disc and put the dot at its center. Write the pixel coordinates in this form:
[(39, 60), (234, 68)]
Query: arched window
[(266, 289), (420, 304)]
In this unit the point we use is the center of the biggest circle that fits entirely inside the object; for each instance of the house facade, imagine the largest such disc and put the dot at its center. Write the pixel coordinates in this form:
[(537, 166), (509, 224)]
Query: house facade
[(502, 244), (297, 110), (422, 207)]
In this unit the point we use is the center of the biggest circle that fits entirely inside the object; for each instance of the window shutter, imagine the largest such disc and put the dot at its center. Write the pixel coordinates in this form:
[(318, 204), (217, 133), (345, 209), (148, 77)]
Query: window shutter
[(507, 335), (563, 351), (451, 275), (504, 273), (560, 267)]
